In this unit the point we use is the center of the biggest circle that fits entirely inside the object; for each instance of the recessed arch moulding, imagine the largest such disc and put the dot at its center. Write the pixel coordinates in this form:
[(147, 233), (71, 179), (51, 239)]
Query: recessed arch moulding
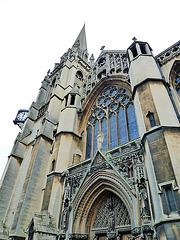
[(90, 194)]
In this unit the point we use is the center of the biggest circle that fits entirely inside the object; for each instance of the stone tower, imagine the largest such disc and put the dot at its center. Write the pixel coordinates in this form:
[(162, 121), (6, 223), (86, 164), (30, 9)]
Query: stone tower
[(82, 166)]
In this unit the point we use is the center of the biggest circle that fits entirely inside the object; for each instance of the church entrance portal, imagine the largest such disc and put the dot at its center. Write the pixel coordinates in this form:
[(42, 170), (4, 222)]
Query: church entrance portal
[(109, 218)]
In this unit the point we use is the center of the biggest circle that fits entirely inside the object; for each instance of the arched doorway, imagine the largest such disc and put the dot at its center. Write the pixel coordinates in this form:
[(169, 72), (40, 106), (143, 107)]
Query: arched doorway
[(103, 207), (109, 218)]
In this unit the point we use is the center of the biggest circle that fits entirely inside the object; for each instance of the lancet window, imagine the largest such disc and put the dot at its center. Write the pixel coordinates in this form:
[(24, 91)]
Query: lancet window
[(114, 117)]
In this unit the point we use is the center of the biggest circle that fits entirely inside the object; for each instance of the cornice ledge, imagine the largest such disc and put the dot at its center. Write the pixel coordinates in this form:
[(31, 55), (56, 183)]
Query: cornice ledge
[(145, 81), (158, 128)]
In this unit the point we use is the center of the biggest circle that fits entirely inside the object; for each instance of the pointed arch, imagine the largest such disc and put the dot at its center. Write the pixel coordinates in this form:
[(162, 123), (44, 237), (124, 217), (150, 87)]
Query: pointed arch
[(112, 111), (97, 185), (174, 76)]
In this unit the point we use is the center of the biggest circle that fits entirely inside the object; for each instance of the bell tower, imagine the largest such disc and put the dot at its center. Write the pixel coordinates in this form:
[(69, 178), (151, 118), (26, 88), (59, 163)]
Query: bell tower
[(160, 135)]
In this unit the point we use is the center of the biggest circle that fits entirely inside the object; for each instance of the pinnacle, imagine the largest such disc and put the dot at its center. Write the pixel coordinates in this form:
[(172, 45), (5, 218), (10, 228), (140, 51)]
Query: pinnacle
[(81, 43)]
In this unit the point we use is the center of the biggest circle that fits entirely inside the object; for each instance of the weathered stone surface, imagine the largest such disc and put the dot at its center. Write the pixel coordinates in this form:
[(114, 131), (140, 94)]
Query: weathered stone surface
[(126, 186)]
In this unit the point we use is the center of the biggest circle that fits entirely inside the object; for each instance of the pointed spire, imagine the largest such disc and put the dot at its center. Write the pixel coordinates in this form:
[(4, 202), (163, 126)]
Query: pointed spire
[(82, 44)]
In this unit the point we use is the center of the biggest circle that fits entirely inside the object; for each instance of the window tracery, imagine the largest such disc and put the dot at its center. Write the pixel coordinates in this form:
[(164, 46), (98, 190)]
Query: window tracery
[(112, 205), (175, 76), (177, 82), (113, 115), (109, 63)]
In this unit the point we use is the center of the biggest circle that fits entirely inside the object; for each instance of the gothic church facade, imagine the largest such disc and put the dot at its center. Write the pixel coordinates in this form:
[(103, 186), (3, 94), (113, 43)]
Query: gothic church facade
[(99, 150)]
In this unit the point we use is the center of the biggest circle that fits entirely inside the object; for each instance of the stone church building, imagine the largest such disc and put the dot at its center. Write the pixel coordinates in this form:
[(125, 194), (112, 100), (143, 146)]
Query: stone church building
[(98, 153)]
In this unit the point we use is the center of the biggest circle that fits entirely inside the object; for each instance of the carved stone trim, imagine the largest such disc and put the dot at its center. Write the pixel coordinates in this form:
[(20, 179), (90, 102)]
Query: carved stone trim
[(136, 231), (110, 63), (169, 53), (78, 236)]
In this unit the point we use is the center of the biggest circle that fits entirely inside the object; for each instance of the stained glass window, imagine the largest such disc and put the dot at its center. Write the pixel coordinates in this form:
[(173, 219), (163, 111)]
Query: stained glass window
[(89, 140), (133, 130), (123, 136), (113, 113), (178, 82), (113, 131), (178, 91)]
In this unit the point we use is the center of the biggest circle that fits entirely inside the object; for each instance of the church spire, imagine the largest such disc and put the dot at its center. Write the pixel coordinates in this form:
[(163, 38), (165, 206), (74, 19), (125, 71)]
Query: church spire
[(81, 43)]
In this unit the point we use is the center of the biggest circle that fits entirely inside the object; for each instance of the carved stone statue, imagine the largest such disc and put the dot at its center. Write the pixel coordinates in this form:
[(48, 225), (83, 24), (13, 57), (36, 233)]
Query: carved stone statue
[(64, 221), (111, 221), (144, 201), (100, 138), (111, 218)]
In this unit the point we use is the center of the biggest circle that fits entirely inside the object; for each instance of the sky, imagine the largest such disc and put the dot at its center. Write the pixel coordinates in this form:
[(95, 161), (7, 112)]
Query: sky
[(34, 34)]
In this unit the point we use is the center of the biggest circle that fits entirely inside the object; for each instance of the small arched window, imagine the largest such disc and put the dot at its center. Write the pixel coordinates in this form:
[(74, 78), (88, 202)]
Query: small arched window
[(113, 115), (79, 78), (79, 75)]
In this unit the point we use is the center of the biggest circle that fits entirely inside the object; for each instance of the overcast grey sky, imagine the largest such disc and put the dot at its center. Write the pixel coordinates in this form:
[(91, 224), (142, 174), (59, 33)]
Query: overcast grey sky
[(35, 34)]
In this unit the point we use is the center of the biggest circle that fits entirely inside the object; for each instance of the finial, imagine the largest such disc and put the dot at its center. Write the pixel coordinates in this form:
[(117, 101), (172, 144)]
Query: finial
[(92, 57), (102, 48), (134, 39), (92, 60)]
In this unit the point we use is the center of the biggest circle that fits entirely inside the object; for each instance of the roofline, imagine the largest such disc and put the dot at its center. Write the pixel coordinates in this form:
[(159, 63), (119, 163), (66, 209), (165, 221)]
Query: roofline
[(167, 49)]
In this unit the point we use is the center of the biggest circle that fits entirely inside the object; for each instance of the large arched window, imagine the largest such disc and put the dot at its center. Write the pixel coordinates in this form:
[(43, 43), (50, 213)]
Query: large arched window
[(175, 76), (113, 115), (177, 81)]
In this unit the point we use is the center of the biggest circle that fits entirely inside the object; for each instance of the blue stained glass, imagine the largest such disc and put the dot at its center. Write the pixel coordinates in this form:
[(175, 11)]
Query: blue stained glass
[(91, 120), (101, 114), (177, 79), (96, 111), (101, 100), (131, 117), (122, 126), (126, 100), (88, 142), (113, 131), (104, 131), (107, 102), (119, 98), (113, 93), (114, 107), (107, 92), (96, 130), (178, 91)]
